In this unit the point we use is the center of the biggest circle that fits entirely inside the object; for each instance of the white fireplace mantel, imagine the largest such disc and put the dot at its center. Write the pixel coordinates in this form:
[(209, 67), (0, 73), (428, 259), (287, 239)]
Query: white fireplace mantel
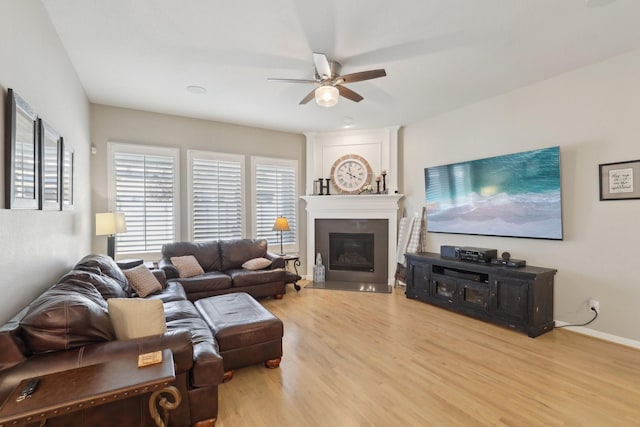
[(369, 206)]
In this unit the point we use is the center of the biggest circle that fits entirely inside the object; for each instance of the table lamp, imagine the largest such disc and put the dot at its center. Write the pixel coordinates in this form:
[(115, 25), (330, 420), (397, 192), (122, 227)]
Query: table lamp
[(281, 225), (110, 224)]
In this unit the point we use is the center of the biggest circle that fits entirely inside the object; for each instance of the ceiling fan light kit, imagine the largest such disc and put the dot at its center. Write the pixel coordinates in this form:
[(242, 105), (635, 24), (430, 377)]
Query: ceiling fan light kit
[(327, 96)]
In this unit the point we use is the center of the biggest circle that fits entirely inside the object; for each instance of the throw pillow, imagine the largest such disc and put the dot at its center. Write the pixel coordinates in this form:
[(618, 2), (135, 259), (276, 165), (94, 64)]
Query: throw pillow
[(187, 265), (142, 280), (136, 317), (256, 264)]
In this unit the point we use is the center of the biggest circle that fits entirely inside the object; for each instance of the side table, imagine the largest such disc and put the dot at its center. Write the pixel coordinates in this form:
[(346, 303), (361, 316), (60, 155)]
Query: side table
[(295, 259), (81, 388)]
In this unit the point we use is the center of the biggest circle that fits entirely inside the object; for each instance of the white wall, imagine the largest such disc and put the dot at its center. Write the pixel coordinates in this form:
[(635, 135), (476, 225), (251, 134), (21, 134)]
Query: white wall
[(593, 115), (39, 246), (141, 127)]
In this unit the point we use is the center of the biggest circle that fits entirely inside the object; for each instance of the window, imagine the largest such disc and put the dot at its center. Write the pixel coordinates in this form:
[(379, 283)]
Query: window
[(275, 194), (143, 184), (216, 193)]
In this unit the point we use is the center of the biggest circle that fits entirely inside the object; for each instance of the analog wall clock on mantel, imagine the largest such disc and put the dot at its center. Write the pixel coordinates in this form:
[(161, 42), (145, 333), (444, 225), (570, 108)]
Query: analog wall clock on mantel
[(350, 173)]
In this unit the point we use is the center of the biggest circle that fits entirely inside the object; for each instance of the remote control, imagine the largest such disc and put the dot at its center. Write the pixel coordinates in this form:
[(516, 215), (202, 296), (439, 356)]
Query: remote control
[(28, 389)]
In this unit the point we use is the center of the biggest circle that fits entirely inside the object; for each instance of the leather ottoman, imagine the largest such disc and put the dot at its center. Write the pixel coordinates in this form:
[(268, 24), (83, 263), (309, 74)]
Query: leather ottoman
[(246, 332)]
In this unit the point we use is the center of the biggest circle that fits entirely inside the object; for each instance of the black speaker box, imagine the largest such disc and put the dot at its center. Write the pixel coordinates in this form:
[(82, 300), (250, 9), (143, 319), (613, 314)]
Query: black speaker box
[(449, 252)]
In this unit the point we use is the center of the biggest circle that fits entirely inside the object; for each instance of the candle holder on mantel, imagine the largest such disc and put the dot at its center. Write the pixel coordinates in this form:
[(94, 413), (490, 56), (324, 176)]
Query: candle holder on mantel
[(384, 182)]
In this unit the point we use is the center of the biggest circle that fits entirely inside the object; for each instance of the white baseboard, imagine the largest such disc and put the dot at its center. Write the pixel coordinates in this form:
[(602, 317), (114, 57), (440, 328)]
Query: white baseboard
[(601, 335)]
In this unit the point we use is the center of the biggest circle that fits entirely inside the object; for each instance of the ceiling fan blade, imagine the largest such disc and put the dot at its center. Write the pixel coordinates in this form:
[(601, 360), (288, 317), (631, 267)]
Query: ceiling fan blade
[(308, 98), (362, 75), (291, 80), (322, 65), (349, 94)]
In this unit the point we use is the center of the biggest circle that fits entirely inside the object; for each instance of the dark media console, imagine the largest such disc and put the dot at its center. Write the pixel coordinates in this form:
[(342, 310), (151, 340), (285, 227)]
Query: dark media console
[(520, 298)]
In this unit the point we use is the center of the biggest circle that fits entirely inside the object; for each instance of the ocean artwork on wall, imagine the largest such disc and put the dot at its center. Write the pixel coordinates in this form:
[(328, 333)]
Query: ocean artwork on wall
[(515, 195)]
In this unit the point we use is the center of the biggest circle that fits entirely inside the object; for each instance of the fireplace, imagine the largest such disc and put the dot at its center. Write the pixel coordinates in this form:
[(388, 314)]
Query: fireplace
[(351, 251), (376, 214)]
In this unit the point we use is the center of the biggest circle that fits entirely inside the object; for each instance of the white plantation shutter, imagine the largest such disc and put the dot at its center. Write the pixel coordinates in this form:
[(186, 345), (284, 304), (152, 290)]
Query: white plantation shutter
[(144, 186), (275, 182), (216, 194)]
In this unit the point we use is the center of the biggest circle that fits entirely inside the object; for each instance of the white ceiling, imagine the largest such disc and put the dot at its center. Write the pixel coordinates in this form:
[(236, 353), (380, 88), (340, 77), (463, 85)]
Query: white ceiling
[(438, 54)]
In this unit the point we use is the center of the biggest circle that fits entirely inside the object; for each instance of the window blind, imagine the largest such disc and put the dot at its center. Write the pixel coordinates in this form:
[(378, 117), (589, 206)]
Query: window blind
[(275, 192), (216, 194), (145, 193)]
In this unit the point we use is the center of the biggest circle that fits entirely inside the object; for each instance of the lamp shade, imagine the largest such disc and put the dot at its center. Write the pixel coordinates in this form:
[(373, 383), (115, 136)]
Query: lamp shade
[(110, 223), (327, 96), (281, 224)]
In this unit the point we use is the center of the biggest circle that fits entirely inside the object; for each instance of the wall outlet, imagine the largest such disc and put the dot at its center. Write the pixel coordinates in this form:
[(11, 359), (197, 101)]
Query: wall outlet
[(594, 305)]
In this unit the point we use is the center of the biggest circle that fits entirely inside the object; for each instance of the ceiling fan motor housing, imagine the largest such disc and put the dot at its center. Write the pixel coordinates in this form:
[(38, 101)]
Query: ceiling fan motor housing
[(335, 67)]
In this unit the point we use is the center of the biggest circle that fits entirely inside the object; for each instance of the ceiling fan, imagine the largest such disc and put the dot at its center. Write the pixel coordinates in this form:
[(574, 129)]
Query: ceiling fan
[(330, 83)]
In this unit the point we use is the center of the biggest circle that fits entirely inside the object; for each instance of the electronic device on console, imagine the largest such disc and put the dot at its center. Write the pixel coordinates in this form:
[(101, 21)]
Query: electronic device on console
[(507, 261), (467, 253)]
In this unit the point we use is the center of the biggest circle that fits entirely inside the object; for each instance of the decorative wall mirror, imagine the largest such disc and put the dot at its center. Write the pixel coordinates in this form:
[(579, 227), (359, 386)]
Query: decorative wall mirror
[(67, 176), (51, 167), (22, 155)]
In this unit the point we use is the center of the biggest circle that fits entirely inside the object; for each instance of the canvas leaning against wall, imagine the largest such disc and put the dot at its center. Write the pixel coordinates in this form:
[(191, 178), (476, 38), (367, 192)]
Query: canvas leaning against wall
[(516, 195)]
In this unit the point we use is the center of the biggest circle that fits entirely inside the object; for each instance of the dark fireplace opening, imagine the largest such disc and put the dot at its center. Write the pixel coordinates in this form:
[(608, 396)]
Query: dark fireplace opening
[(351, 251)]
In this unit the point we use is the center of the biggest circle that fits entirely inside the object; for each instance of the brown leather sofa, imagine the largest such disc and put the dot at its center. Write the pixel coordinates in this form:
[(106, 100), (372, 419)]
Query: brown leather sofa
[(68, 326), (223, 273)]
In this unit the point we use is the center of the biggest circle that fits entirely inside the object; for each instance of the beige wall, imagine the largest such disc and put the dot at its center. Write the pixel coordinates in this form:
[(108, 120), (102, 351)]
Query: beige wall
[(38, 246), (592, 114), (139, 127)]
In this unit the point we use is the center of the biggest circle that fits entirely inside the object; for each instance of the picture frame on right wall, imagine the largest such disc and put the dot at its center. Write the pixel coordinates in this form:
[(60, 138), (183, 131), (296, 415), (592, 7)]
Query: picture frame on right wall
[(620, 180)]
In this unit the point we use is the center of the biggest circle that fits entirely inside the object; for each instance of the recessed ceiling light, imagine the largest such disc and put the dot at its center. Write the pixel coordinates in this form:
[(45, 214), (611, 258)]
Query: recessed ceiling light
[(598, 3), (196, 89), (347, 122)]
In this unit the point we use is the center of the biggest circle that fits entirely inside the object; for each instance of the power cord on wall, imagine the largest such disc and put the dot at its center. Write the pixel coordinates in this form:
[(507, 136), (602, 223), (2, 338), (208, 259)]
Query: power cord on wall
[(595, 316)]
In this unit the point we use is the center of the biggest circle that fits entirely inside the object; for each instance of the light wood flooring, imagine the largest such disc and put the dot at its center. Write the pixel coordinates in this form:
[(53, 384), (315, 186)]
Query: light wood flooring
[(361, 359)]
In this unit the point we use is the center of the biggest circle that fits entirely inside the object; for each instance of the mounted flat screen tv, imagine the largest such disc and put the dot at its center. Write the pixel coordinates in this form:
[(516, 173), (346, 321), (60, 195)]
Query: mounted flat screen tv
[(517, 195)]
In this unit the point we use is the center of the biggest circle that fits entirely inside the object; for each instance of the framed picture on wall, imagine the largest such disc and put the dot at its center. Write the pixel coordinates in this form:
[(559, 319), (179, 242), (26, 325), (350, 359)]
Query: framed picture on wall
[(22, 156), (67, 176), (50, 167), (620, 181)]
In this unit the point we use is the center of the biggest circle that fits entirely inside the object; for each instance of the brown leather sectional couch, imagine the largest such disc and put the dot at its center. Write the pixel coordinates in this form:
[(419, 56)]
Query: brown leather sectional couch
[(223, 273), (68, 326)]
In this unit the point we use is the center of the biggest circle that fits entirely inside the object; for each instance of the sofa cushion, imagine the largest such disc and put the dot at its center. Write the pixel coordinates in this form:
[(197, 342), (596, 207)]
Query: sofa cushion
[(106, 266), (108, 287), (136, 317), (256, 264), (142, 280), (207, 364), (207, 254), (61, 319), (234, 253), (242, 277), (187, 265), (205, 282), (172, 292)]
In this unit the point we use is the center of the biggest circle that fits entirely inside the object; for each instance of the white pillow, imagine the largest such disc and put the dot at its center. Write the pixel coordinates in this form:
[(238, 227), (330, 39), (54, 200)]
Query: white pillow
[(256, 264), (142, 280), (188, 265), (136, 317)]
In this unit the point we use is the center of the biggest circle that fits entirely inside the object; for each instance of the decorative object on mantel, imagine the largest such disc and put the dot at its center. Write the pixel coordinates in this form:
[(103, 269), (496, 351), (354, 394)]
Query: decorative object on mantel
[(620, 180), (350, 174), (384, 182)]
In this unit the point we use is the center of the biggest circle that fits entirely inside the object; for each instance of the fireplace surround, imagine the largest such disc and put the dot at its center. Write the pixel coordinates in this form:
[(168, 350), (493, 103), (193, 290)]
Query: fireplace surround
[(362, 209)]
